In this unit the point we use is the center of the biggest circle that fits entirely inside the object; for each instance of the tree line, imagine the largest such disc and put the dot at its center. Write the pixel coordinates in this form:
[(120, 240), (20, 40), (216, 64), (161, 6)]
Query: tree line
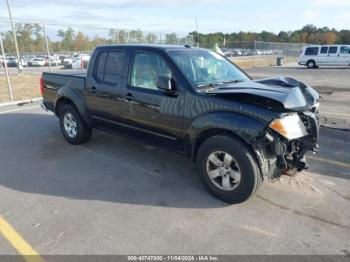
[(309, 34), (31, 38)]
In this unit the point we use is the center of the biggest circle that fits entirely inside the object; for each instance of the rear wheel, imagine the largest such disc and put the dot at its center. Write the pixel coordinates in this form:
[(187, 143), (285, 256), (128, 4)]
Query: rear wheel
[(311, 64), (228, 169), (74, 130)]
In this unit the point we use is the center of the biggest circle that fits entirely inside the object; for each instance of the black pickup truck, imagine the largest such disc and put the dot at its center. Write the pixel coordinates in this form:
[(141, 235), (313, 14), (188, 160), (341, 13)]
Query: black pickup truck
[(238, 131)]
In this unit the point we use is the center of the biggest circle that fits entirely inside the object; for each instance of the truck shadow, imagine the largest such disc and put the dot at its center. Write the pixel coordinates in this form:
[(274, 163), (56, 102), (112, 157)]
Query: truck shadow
[(36, 159)]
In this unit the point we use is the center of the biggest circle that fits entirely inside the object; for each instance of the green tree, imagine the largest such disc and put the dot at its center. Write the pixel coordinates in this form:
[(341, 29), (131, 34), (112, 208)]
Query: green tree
[(24, 37), (136, 36), (151, 38), (81, 42), (344, 37), (171, 39), (67, 42), (283, 36), (39, 38)]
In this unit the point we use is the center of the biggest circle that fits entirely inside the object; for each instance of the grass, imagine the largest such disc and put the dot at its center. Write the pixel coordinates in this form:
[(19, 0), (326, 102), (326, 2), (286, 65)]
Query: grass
[(259, 61), (23, 87)]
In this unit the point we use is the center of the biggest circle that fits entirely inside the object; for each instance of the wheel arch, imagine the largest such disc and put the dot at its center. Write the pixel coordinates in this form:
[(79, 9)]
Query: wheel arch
[(242, 127), (209, 133), (63, 100), (311, 60)]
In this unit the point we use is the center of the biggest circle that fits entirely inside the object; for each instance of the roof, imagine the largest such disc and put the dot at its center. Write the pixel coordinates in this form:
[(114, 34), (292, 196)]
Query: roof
[(155, 46)]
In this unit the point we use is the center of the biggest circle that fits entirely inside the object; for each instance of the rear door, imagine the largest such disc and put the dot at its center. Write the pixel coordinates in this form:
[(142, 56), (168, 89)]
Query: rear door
[(333, 54), (323, 57), (345, 55), (104, 86)]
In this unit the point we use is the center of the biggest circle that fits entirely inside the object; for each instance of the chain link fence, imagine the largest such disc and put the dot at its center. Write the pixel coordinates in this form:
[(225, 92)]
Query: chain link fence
[(38, 47)]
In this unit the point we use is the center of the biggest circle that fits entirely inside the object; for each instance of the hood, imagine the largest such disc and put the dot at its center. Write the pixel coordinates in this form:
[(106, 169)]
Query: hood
[(290, 93)]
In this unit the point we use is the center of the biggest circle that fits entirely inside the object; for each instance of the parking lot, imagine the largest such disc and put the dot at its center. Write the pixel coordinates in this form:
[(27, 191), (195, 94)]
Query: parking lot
[(117, 196)]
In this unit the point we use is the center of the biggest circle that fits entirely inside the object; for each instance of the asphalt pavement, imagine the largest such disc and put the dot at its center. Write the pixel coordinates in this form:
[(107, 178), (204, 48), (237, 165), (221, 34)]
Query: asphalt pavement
[(117, 196)]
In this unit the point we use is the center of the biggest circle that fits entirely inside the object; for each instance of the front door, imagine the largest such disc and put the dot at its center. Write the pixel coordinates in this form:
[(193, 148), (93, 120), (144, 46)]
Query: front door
[(323, 57), (152, 113), (333, 55), (345, 55)]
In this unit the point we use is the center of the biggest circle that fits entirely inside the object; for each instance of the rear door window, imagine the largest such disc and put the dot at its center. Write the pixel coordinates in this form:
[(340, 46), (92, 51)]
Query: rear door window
[(333, 50), (311, 51), (114, 67), (324, 49), (100, 68), (110, 67)]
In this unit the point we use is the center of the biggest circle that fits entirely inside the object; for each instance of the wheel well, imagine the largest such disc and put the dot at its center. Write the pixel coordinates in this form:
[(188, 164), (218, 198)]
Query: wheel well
[(215, 132), (311, 60), (204, 136), (62, 101)]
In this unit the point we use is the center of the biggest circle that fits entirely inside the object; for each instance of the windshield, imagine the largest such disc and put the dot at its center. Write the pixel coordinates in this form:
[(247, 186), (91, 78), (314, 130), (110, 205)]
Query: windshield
[(204, 68)]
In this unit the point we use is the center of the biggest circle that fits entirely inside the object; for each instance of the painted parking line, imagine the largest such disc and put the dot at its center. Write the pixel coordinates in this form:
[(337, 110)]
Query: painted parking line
[(19, 109), (17, 241), (329, 161)]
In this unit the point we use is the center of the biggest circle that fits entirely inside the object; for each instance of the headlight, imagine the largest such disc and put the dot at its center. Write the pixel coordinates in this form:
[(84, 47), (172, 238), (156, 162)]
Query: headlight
[(291, 127)]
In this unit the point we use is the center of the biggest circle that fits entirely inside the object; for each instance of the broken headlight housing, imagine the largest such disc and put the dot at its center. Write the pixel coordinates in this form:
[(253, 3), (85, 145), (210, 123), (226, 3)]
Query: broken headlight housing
[(289, 126)]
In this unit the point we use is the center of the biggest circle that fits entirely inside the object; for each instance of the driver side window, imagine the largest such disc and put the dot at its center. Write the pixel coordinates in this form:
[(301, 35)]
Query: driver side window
[(146, 69)]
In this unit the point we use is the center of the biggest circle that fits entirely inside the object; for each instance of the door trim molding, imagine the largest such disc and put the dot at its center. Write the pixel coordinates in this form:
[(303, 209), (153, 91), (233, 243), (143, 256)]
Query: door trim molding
[(134, 127)]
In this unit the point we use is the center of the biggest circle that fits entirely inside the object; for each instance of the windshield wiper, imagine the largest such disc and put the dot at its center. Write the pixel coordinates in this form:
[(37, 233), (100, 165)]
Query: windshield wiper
[(216, 84), (209, 85), (232, 81)]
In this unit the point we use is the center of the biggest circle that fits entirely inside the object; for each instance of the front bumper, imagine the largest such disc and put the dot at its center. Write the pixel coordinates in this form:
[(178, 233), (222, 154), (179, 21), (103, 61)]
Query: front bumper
[(279, 155), (43, 106)]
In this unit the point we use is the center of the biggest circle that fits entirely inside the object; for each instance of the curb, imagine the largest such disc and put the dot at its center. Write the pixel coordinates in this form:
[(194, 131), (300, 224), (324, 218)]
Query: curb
[(26, 101)]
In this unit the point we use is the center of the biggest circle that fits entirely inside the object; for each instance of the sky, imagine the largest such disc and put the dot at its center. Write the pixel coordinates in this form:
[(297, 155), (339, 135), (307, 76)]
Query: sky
[(179, 15)]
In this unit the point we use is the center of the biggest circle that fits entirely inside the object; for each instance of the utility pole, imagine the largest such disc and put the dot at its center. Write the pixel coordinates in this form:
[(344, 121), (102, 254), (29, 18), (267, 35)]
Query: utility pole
[(14, 38), (197, 33), (47, 48)]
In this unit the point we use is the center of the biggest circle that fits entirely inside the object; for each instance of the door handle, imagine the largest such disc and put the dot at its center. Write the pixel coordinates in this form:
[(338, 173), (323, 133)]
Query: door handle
[(93, 90), (129, 97)]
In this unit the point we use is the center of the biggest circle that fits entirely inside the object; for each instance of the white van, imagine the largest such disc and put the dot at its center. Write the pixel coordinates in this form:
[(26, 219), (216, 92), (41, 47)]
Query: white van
[(317, 55)]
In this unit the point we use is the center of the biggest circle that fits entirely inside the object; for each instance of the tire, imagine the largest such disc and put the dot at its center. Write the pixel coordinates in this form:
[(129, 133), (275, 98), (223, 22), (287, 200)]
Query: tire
[(73, 128), (311, 64), (243, 162)]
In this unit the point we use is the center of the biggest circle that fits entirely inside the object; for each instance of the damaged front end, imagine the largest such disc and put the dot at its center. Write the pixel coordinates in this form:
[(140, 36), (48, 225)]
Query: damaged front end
[(279, 154), (286, 140), (294, 131)]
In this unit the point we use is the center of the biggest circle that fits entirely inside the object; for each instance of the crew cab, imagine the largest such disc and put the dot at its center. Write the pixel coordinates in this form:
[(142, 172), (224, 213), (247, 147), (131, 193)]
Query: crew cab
[(239, 132)]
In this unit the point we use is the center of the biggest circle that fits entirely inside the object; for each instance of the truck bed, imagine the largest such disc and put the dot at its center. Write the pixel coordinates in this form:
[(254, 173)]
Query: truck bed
[(53, 83)]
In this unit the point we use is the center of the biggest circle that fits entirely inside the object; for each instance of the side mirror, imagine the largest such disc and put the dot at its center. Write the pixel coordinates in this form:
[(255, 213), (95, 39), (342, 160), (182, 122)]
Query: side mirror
[(166, 84)]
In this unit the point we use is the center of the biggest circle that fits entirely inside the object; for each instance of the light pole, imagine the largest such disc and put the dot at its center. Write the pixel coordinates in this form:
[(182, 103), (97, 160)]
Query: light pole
[(197, 32), (14, 38)]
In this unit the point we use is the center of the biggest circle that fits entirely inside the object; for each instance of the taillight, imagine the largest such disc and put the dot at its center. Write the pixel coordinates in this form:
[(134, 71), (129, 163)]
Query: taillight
[(42, 86)]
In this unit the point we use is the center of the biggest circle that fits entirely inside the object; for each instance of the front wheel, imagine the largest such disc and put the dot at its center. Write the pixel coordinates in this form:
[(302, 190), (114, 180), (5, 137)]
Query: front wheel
[(228, 169), (311, 64), (73, 128)]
